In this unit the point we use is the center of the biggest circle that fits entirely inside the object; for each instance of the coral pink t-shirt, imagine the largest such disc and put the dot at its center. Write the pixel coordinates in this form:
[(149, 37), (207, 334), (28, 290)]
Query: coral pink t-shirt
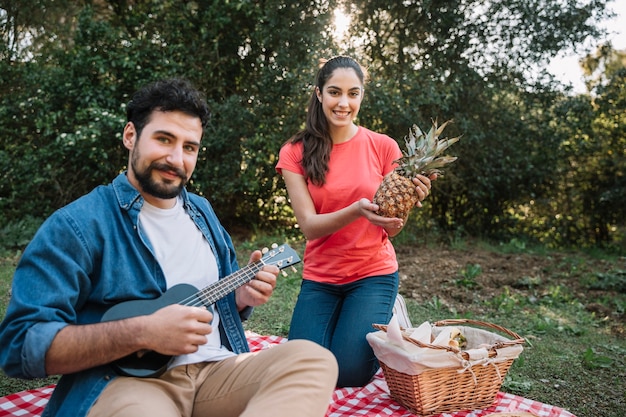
[(356, 169)]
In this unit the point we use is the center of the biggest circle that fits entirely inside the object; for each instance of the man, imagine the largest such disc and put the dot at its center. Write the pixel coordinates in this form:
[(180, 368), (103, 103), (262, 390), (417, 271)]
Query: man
[(132, 240)]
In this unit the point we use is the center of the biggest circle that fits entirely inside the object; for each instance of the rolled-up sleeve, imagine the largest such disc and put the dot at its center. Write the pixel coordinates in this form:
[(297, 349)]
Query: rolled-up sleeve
[(36, 344)]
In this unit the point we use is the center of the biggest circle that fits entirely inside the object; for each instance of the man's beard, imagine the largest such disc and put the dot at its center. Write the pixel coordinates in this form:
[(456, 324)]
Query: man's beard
[(156, 189)]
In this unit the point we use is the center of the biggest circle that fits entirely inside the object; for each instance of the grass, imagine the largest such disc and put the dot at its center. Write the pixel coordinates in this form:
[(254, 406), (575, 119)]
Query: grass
[(10, 385), (569, 359), (573, 357)]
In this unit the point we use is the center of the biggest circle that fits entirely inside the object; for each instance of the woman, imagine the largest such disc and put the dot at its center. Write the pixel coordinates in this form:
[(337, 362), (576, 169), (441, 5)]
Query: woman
[(332, 170)]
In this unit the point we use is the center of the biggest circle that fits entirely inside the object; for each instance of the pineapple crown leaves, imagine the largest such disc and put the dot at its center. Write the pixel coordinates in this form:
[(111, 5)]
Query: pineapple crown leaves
[(423, 151)]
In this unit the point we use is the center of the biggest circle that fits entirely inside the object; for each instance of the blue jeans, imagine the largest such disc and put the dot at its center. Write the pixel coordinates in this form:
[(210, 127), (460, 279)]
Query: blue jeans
[(339, 316)]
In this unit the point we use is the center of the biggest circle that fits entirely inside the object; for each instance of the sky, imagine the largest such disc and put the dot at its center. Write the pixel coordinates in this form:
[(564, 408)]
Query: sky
[(567, 69)]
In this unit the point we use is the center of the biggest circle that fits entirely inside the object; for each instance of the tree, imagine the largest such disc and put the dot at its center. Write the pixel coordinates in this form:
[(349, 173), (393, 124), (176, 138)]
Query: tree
[(603, 166), (28, 25), (252, 59), (67, 68), (465, 60)]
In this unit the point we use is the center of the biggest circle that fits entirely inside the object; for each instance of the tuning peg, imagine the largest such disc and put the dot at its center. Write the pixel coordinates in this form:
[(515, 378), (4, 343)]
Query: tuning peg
[(274, 245)]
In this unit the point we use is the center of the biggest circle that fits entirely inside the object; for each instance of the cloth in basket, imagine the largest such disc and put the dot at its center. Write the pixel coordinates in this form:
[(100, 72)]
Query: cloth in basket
[(430, 379), (407, 357)]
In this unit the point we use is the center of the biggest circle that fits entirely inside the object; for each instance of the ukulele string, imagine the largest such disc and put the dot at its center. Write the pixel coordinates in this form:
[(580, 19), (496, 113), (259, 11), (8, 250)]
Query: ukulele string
[(220, 288), (225, 286)]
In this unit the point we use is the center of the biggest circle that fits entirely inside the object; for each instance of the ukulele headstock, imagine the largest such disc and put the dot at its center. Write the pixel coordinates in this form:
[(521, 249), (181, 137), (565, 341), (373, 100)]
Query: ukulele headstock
[(282, 256)]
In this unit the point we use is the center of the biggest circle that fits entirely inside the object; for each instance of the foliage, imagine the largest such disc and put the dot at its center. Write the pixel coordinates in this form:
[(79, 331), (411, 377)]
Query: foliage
[(245, 56), (431, 60), (468, 276), (592, 169), (534, 162), (16, 235)]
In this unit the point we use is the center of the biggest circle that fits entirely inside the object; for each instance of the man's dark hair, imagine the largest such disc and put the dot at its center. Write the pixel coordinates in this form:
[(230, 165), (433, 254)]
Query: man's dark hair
[(173, 94)]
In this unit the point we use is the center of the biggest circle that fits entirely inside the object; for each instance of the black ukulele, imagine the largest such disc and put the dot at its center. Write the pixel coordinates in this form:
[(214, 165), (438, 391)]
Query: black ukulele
[(146, 364)]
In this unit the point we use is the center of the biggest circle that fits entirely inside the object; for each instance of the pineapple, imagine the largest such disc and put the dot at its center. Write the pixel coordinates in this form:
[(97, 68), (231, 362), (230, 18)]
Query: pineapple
[(396, 196)]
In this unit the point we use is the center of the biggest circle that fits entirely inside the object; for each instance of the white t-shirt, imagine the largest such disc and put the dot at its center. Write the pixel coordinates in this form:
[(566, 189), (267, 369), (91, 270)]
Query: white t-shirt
[(185, 257)]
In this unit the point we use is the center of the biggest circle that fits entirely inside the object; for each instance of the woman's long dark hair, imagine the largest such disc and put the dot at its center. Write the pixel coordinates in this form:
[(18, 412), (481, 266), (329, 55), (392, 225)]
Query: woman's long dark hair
[(315, 137)]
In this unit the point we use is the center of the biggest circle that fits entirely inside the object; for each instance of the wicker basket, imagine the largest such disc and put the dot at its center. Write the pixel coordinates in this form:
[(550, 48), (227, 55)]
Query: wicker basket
[(446, 390)]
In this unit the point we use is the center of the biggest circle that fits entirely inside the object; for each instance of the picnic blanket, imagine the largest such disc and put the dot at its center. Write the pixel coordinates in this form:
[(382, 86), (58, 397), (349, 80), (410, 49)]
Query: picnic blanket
[(371, 400)]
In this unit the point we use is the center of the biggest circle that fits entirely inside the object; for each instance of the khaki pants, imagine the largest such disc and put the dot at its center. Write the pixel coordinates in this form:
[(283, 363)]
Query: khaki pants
[(296, 378)]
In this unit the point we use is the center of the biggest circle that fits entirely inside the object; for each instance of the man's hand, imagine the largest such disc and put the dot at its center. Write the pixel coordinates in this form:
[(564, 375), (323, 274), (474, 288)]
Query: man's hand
[(171, 330), (178, 330), (258, 290)]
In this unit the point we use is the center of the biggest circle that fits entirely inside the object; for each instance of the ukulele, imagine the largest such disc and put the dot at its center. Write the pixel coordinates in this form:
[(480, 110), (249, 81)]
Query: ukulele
[(145, 364)]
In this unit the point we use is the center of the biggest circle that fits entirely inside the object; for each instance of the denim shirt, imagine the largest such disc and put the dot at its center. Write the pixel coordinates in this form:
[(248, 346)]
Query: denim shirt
[(85, 258)]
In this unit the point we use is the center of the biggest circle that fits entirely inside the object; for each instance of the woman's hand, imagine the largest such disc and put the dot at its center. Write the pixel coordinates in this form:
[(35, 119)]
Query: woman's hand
[(422, 186), (369, 209), (393, 226)]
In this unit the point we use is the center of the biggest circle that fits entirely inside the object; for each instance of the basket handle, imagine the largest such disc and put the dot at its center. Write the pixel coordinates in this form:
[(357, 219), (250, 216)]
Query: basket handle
[(516, 338)]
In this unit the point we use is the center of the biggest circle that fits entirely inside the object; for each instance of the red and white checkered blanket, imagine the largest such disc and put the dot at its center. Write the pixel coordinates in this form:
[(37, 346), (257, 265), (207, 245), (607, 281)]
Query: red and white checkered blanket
[(370, 400)]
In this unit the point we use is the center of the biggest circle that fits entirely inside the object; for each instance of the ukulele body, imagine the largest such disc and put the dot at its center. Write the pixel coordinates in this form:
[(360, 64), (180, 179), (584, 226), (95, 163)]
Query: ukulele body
[(149, 364), (146, 363)]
